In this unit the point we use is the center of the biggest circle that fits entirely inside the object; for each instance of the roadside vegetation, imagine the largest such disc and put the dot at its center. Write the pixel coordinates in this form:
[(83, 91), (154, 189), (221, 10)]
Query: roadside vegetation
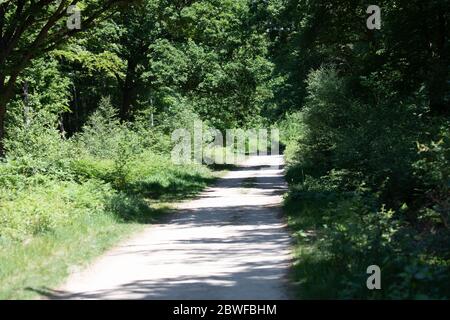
[(86, 118), (65, 201), (367, 137)]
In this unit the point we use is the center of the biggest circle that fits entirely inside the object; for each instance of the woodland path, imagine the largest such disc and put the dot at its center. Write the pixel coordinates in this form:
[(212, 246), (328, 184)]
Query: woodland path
[(229, 243)]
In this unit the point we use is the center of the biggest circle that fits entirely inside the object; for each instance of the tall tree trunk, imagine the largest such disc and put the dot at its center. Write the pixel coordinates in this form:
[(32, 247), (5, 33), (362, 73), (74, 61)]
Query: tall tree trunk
[(128, 90), (439, 69), (2, 127), (6, 94), (26, 102)]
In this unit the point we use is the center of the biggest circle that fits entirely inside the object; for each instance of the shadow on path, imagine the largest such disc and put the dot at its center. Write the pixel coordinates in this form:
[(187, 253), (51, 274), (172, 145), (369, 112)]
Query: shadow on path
[(230, 243)]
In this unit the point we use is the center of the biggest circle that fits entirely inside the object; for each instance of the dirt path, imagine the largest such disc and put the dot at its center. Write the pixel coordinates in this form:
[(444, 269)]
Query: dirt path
[(230, 243)]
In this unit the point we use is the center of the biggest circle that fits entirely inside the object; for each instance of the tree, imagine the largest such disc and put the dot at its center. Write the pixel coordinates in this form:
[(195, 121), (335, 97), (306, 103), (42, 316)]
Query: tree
[(140, 27), (214, 56), (28, 29), (411, 49)]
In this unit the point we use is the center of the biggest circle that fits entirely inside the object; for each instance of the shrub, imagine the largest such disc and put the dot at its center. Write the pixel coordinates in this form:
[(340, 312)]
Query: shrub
[(433, 170), (360, 193), (110, 168), (348, 232), (343, 132), (291, 129), (47, 206), (36, 146)]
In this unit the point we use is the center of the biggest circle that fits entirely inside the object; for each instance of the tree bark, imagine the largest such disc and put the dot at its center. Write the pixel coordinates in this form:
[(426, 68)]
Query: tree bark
[(2, 128), (128, 90), (6, 93)]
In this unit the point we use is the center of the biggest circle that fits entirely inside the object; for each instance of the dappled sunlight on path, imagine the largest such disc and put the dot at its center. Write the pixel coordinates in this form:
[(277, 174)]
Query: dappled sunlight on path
[(229, 243)]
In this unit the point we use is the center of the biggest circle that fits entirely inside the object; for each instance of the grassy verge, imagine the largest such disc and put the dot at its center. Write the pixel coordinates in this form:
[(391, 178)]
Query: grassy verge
[(50, 227), (314, 273), (44, 261)]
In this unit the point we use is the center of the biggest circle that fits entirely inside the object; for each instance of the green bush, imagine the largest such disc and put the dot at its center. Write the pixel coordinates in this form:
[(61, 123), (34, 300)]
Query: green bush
[(365, 190), (110, 168), (37, 147), (347, 233), (290, 132), (433, 170), (47, 206), (340, 131)]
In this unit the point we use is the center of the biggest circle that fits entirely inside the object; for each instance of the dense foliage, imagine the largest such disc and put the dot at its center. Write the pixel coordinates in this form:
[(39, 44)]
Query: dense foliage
[(367, 143), (86, 117)]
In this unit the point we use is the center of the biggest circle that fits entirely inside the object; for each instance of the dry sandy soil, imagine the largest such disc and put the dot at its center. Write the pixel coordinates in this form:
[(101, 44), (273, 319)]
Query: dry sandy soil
[(229, 243)]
